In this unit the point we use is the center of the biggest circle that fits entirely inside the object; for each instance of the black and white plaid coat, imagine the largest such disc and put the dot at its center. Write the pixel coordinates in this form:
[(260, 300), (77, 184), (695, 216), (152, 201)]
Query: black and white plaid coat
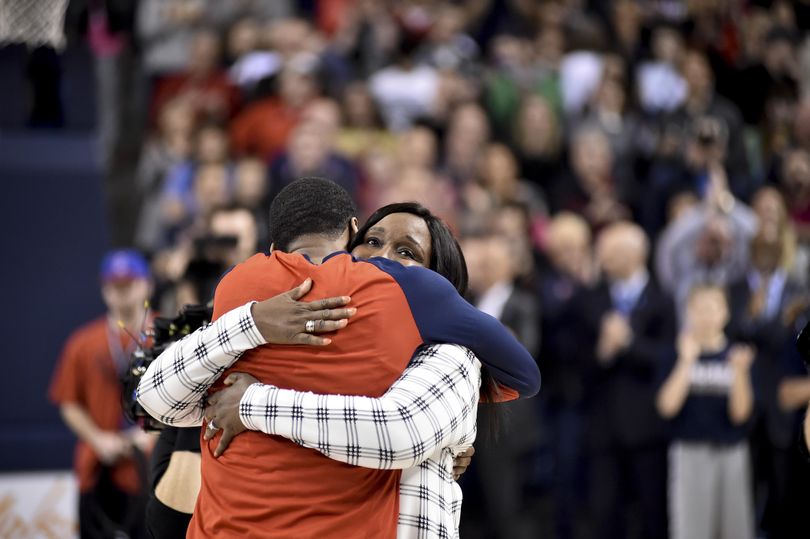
[(424, 419)]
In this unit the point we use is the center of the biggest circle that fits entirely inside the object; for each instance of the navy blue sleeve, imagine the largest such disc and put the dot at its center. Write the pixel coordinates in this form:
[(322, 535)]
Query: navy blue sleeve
[(443, 316)]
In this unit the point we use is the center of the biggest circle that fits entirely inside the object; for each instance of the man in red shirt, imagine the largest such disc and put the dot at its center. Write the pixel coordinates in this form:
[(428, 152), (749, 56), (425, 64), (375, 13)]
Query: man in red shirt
[(86, 386)]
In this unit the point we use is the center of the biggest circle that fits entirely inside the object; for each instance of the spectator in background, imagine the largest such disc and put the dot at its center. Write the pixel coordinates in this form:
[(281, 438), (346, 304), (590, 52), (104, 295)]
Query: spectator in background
[(702, 100), (363, 129), (538, 142), (591, 189), (568, 271), (251, 192), (661, 88), (520, 70), (467, 135), (707, 243), (111, 456), (499, 184), (248, 55), (263, 127), (406, 90), (626, 327), (230, 237), (202, 83), (795, 184), (500, 460), (165, 31), (775, 225), (195, 186), (758, 303), (309, 153), (704, 149), (166, 149), (708, 395)]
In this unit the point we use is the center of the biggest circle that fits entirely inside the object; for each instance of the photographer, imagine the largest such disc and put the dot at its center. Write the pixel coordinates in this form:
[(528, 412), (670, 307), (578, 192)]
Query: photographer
[(110, 456), (189, 273), (707, 243)]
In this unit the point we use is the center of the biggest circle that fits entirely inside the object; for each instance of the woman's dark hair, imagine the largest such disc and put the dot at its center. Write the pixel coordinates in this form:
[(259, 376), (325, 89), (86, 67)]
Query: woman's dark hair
[(446, 259)]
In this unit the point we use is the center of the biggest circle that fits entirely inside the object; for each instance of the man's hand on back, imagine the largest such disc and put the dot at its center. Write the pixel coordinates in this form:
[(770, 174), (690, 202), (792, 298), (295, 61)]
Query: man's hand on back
[(223, 410)]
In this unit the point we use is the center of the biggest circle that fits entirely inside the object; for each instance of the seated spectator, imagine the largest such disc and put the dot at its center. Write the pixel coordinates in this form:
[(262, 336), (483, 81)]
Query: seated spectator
[(592, 189), (424, 186), (406, 90), (519, 71), (466, 137), (250, 191), (363, 128), (609, 110), (248, 56), (499, 183), (166, 29), (538, 141), (309, 153), (201, 82), (661, 88), (199, 184), (166, 149), (262, 128), (707, 394)]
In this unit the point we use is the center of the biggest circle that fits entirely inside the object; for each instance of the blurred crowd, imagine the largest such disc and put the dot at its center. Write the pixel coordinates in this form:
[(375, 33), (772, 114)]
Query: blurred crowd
[(598, 161)]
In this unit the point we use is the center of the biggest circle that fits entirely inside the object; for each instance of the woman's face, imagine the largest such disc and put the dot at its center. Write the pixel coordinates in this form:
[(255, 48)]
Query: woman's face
[(402, 237)]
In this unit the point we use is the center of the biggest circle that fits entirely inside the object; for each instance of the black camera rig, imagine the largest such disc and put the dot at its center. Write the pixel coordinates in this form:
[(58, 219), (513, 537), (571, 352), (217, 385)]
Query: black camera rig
[(164, 332)]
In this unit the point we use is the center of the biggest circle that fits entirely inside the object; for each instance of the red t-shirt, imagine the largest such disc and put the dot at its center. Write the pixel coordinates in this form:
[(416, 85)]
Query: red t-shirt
[(86, 375), (267, 486)]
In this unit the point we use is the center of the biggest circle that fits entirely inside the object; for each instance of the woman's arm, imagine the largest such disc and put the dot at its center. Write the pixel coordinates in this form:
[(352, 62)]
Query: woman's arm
[(174, 386), (431, 406)]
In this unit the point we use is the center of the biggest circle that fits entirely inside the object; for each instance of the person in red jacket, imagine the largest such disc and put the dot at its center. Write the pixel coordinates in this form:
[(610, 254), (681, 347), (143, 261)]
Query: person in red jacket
[(86, 386)]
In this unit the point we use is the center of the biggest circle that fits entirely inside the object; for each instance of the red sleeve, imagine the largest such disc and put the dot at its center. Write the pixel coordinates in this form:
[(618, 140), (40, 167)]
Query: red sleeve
[(66, 385)]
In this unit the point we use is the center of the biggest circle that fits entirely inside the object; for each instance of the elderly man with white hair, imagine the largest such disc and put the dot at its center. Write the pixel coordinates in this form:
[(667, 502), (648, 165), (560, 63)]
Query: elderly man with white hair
[(626, 330)]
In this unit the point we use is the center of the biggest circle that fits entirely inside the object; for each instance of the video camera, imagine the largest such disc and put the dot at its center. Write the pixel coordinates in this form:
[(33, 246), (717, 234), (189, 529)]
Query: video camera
[(164, 332)]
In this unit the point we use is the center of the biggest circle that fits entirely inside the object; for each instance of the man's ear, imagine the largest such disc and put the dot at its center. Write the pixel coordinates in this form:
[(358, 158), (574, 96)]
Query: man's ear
[(352, 231)]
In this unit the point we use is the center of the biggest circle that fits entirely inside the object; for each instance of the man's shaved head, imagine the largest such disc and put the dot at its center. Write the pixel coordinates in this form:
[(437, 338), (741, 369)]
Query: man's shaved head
[(622, 249)]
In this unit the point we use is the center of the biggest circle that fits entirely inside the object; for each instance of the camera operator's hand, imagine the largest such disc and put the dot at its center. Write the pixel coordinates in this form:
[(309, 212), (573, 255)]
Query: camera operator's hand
[(283, 319), (223, 409)]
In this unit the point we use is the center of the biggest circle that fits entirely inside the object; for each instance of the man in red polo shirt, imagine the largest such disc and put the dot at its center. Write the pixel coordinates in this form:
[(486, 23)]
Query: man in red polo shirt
[(265, 486), (87, 388)]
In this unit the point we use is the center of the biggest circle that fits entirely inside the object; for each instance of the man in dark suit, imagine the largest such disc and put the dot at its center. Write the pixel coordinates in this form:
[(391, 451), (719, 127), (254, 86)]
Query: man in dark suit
[(500, 460), (759, 302), (626, 327)]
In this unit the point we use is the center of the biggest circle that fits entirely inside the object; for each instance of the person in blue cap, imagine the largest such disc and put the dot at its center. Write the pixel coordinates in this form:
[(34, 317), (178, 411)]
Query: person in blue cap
[(86, 386)]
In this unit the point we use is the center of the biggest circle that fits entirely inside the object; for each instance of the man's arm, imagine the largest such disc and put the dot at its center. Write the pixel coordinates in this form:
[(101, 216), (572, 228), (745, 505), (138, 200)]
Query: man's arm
[(174, 386), (431, 406)]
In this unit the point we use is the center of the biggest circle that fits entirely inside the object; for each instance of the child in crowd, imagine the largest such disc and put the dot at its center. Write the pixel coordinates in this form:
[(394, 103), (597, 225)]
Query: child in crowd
[(708, 395)]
